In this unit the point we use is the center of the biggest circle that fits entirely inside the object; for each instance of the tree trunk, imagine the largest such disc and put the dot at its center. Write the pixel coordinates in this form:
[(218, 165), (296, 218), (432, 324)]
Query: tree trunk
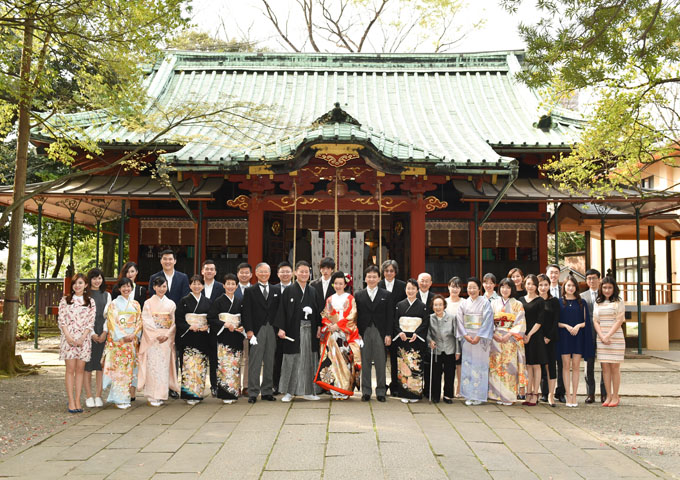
[(108, 256), (9, 363), (60, 252)]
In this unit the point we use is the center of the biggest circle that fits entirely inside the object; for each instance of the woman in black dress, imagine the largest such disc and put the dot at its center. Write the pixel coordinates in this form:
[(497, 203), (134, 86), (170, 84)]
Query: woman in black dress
[(551, 318), (517, 277), (224, 318), (534, 346), (102, 298)]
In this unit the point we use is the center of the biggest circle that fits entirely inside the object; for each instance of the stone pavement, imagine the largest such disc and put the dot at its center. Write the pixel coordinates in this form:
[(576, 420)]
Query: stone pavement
[(324, 439)]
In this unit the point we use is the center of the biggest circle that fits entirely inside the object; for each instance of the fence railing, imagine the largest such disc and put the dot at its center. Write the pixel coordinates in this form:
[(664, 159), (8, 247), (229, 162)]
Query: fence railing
[(664, 293), (51, 291)]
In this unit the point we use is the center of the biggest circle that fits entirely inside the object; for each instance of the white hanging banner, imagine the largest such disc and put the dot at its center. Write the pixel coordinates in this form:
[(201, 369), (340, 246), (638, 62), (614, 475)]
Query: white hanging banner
[(317, 253), (329, 246), (358, 261), (344, 261)]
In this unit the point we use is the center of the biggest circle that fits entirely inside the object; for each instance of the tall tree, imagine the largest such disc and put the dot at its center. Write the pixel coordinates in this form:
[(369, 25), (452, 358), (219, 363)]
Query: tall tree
[(625, 56), (103, 41), (368, 25)]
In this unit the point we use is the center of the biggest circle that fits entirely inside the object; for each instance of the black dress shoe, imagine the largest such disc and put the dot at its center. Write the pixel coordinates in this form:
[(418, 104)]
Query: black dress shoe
[(365, 398), (269, 398), (276, 393), (544, 398), (447, 401), (252, 399), (381, 398), (435, 401), (590, 398), (213, 391), (173, 394), (561, 398)]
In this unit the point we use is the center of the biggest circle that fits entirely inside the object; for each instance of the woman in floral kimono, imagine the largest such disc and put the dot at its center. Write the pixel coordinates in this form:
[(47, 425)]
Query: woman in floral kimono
[(410, 334), (124, 326), (224, 318), (157, 372), (475, 329), (193, 340), (507, 369), (340, 365)]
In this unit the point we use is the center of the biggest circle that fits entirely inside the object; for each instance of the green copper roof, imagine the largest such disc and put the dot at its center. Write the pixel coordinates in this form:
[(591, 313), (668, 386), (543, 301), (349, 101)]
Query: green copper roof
[(439, 108)]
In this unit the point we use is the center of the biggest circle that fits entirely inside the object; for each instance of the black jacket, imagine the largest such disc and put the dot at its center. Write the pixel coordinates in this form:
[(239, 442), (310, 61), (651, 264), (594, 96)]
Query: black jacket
[(256, 311), (398, 290), (291, 312), (179, 288), (183, 337), (379, 312), (224, 305), (321, 298)]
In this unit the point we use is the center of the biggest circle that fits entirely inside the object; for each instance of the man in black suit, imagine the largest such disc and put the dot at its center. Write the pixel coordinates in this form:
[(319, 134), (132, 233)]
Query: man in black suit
[(244, 272), (553, 273), (212, 289), (285, 273), (589, 296), (397, 289), (375, 317), (258, 313), (323, 286), (426, 296), (178, 282)]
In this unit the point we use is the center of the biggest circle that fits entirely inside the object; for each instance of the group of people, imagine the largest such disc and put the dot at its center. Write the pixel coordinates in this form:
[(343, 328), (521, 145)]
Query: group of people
[(301, 339)]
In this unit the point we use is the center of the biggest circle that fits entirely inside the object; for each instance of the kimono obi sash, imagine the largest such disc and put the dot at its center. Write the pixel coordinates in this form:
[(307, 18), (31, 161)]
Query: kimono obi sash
[(127, 320), (473, 322), (230, 319), (197, 319), (504, 321), (409, 324), (162, 319)]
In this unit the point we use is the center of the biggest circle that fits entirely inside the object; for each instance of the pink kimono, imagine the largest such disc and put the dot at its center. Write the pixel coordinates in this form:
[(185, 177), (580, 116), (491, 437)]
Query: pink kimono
[(157, 371)]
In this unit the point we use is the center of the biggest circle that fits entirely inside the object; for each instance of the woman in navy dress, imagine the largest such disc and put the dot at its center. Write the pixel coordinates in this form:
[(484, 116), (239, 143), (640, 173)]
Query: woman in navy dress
[(576, 340)]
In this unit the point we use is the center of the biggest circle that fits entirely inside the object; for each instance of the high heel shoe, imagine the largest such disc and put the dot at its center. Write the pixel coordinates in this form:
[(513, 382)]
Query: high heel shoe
[(615, 404), (551, 399)]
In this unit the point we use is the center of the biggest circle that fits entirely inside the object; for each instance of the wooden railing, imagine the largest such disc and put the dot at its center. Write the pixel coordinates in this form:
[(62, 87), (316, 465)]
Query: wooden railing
[(664, 294)]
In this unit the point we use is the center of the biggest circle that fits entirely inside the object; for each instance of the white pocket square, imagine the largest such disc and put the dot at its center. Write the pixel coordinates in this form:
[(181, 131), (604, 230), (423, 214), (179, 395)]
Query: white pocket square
[(276, 294)]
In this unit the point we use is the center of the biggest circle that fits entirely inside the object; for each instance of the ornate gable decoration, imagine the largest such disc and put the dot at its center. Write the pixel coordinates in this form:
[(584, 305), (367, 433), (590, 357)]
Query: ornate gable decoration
[(337, 115)]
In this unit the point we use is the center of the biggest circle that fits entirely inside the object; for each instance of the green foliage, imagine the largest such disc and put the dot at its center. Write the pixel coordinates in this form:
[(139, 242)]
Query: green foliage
[(570, 242), (205, 42), (626, 55), (25, 325)]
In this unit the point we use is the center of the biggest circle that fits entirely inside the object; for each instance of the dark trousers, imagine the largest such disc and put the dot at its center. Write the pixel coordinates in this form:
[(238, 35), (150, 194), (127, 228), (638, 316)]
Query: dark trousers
[(426, 372), (445, 364), (590, 379), (372, 352), (394, 380), (212, 357), (552, 369), (278, 360), (262, 359)]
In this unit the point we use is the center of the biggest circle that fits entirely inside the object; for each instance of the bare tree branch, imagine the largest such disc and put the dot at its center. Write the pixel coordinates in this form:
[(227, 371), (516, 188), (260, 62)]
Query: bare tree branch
[(275, 21)]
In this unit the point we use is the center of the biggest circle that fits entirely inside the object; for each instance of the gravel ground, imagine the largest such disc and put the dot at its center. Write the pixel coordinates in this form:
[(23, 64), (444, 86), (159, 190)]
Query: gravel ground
[(34, 407)]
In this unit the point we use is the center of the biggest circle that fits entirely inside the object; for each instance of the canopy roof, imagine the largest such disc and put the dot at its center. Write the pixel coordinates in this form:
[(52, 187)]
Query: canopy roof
[(444, 109), (93, 197)]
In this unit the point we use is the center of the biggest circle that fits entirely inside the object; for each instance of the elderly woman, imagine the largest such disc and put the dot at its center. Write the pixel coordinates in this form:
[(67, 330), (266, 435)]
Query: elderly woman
[(124, 327), (441, 338)]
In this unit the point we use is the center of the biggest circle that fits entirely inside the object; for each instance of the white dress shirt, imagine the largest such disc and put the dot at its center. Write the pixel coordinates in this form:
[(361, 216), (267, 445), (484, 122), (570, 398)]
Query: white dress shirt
[(372, 292), (207, 289), (389, 285), (423, 296), (168, 279), (324, 284)]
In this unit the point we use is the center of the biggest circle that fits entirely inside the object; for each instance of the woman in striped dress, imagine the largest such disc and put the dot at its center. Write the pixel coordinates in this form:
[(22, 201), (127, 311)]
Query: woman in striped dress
[(608, 316)]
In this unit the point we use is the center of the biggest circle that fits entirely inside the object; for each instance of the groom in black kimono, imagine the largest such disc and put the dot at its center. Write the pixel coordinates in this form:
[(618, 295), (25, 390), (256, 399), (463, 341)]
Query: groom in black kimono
[(299, 320)]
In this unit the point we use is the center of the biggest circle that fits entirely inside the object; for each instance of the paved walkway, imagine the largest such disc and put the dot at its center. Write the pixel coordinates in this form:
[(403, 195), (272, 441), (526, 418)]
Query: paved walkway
[(306, 440)]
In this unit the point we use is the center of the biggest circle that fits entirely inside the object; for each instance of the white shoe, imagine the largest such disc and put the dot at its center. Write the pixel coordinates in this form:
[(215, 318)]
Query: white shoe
[(312, 397), (155, 403), (228, 402), (98, 402), (507, 404), (193, 402), (287, 398), (414, 400), (89, 403), (468, 402), (404, 400), (123, 406), (475, 402)]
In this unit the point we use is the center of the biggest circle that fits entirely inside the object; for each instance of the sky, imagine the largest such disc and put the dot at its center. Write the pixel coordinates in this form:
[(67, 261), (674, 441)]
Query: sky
[(498, 33)]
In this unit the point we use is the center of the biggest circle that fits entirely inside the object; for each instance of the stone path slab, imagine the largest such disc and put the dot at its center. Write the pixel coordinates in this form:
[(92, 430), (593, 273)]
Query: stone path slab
[(315, 440)]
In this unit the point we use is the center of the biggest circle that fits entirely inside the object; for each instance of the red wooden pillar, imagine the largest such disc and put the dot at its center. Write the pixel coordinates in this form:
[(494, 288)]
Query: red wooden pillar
[(133, 231), (418, 244), (542, 242), (255, 231)]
